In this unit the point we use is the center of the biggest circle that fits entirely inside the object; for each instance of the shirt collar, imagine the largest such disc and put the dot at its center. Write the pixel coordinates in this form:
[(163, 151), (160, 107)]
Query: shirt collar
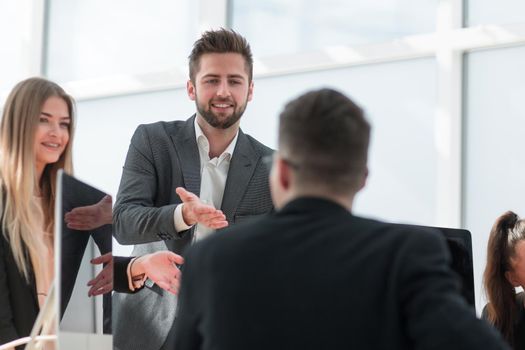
[(204, 144)]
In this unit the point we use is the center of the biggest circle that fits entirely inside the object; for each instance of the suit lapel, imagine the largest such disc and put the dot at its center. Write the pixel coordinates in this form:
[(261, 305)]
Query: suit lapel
[(188, 153), (242, 166)]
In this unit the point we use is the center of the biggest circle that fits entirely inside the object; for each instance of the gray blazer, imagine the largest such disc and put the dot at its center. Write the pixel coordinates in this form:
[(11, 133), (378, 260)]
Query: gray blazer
[(161, 157)]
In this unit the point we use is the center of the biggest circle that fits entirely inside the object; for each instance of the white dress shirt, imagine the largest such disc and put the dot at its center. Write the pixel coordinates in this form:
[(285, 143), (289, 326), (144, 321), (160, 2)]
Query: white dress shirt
[(213, 180)]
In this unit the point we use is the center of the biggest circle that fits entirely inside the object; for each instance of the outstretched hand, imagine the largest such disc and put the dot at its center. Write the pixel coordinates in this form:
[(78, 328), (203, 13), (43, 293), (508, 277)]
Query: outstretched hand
[(161, 268), (90, 217), (103, 282), (195, 211)]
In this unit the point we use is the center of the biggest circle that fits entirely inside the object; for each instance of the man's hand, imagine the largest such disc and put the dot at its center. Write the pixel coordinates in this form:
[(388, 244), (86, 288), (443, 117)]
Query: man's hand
[(160, 267), (103, 283), (90, 217), (195, 211)]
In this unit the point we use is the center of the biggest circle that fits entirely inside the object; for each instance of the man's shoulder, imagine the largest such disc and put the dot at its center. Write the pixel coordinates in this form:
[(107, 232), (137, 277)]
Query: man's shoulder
[(231, 237), (258, 146), (391, 235), (160, 133), (243, 229), (416, 237), (163, 126), (415, 231), (406, 231), (396, 236)]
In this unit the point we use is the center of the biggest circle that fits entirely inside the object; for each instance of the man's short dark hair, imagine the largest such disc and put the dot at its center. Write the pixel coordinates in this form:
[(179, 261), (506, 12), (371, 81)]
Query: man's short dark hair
[(324, 137), (220, 41)]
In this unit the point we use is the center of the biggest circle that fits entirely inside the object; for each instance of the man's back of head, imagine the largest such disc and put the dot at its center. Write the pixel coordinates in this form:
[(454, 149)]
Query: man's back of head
[(323, 146)]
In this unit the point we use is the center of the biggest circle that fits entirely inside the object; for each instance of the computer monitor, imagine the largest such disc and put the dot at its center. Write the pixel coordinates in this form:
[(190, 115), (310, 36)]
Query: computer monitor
[(79, 315)]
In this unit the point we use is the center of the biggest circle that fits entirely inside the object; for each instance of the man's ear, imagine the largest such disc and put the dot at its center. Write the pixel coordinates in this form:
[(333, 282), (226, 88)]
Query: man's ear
[(190, 89), (250, 91), (362, 182), (511, 277), (283, 173)]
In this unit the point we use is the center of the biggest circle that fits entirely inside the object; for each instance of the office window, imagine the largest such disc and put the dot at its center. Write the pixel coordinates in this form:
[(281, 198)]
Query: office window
[(105, 127), (494, 152), (19, 47), (108, 38), (480, 12), (305, 25), (400, 101)]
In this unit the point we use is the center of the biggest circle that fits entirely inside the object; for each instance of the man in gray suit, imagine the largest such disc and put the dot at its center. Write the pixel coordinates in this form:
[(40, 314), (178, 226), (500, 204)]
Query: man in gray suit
[(183, 179)]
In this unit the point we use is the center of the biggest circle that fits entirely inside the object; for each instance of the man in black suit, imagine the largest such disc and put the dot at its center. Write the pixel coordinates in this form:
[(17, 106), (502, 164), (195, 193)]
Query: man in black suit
[(314, 276)]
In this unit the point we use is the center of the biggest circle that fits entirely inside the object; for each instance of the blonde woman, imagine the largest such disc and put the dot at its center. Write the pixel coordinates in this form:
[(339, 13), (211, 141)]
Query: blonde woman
[(36, 133), (504, 272)]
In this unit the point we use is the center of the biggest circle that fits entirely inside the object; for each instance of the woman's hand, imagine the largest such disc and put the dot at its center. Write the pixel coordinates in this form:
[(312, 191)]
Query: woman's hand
[(103, 283)]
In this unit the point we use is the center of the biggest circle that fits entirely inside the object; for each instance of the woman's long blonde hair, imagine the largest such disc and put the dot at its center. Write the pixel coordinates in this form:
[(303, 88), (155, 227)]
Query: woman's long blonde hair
[(21, 216)]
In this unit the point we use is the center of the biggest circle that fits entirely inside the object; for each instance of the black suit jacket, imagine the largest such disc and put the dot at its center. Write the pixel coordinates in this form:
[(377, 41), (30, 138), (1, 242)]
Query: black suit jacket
[(120, 273), (18, 300), (313, 276)]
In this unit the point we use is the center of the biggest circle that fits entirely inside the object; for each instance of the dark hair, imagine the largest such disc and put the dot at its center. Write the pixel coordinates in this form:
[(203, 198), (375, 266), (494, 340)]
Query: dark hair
[(507, 231), (220, 41), (325, 137)]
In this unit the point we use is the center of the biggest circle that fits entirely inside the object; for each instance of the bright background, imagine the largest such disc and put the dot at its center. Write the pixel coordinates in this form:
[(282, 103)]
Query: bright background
[(442, 81)]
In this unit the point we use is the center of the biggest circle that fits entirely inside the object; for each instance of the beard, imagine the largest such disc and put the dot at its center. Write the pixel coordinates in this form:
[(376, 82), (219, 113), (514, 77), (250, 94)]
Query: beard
[(217, 121)]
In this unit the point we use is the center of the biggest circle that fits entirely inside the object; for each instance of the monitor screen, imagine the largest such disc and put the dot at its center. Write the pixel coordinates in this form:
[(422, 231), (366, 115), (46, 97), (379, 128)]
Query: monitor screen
[(78, 312)]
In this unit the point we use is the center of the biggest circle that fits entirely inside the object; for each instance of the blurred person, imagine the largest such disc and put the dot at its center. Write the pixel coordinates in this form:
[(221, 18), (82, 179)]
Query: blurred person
[(313, 275), (36, 133), (183, 179), (505, 271)]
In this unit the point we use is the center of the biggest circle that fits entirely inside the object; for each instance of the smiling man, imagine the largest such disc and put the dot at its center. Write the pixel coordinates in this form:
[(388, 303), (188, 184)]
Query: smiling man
[(183, 179)]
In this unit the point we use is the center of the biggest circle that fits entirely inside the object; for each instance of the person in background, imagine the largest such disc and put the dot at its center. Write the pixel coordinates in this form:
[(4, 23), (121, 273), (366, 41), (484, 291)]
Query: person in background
[(36, 133), (505, 271)]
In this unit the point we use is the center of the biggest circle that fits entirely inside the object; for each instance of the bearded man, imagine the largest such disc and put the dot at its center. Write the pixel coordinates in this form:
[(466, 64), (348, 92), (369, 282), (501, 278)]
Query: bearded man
[(184, 179)]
